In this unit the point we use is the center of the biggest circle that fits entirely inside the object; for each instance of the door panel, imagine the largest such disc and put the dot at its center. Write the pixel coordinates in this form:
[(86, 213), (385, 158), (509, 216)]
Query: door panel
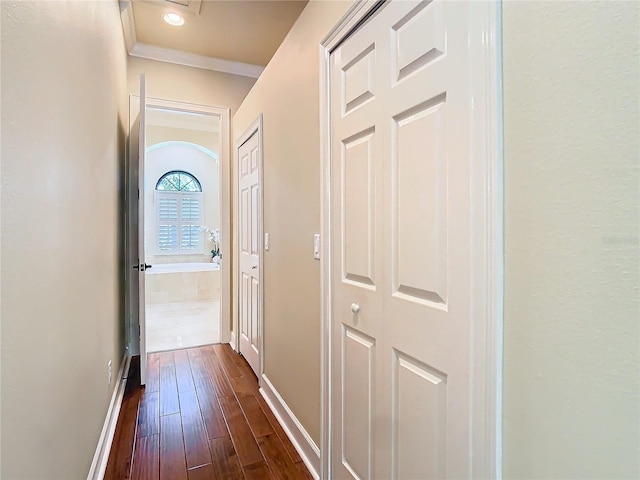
[(142, 146), (249, 212), (419, 433), (358, 375), (419, 203), (358, 188), (400, 163)]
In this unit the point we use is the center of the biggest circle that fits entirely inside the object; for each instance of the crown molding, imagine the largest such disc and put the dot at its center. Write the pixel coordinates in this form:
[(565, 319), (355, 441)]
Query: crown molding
[(180, 57), (128, 24)]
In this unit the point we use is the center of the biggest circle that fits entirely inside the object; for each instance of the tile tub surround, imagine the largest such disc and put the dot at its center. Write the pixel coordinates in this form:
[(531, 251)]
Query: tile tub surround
[(173, 283)]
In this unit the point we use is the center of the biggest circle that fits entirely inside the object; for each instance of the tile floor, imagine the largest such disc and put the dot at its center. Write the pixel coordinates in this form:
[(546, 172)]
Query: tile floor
[(182, 325)]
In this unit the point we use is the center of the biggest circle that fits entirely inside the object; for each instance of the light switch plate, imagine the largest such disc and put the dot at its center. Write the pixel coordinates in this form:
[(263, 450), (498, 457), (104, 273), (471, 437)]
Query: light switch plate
[(266, 242), (316, 246)]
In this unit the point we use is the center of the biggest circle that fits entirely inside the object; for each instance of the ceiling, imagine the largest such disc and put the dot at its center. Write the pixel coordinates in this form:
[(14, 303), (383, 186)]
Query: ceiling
[(245, 31)]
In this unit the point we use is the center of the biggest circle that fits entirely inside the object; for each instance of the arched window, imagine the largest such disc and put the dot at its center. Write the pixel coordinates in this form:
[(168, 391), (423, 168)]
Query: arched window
[(179, 214), (178, 181)]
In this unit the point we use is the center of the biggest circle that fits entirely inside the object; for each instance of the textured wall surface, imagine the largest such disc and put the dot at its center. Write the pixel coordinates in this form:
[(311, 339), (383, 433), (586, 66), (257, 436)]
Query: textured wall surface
[(63, 115), (187, 84), (288, 96), (571, 365)]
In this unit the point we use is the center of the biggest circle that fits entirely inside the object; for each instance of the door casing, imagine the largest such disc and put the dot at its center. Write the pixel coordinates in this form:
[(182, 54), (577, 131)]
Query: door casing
[(131, 246), (254, 127), (487, 230)]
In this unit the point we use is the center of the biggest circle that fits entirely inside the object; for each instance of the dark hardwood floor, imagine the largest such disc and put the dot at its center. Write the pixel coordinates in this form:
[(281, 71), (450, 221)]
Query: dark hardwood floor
[(200, 417)]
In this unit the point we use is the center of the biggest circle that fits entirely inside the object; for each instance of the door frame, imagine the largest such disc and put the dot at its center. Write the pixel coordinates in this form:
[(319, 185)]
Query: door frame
[(255, 127), (487, 186), (131, 317)]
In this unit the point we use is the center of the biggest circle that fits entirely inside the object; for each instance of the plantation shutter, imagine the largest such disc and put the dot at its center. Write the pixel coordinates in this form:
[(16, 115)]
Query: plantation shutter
[(190, 214), (179, 218), (168, 222)]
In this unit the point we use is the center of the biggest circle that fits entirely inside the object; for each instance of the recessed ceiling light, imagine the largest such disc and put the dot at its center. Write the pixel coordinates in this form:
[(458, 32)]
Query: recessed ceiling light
[(173, 18)]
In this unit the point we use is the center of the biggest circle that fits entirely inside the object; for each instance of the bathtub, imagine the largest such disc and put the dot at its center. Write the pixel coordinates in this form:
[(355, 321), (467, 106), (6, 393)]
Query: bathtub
[(182, 282), (182, 268)]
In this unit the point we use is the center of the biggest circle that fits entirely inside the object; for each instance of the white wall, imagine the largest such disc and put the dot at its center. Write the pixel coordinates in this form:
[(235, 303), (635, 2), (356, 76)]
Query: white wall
[(63, 135), (181, 157), (287, 93), (571, 364)]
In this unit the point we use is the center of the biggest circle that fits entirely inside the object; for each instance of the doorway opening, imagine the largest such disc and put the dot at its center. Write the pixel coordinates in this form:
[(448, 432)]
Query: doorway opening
[(183, 183), (182, 229)]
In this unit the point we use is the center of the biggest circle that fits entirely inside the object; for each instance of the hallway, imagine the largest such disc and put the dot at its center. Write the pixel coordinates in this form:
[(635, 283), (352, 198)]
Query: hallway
[(200, 416)]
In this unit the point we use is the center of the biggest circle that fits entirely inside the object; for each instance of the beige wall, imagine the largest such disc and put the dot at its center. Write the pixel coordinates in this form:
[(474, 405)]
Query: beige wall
[(187, 84), (63, 98), (287, 95), (158, 134), (571, 365)]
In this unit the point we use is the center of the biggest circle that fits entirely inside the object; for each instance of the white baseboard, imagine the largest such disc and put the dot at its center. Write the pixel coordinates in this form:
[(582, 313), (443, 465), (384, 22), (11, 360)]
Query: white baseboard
[(101, 457), (299, 437)]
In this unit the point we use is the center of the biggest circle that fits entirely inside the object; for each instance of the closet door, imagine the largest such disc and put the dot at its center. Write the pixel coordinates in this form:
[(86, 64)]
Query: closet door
[(400, 114)]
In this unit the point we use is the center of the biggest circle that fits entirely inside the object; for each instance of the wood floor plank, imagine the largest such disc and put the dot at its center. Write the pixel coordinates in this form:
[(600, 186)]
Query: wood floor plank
[(241, 387), (279, 462), (149, 414), (198, 367), (169, 403), (257, 471), (121, 455), (195, 436), (203, 472), (228, 358), (225, 459), (216, 373), (256, 418), (293, 453), (153, 373), (243, 440), (146, 463), (249, 376), (303, 471), (210, 408), (172, 457), (183, 371), (212, 433)]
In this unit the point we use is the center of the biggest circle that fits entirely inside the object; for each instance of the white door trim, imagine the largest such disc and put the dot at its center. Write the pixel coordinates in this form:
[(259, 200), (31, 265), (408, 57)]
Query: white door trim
[(487, 229), (224, 156), (254, 127)]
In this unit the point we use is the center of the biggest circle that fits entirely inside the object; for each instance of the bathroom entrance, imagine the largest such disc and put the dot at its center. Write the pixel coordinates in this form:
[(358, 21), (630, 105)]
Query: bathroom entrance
[(185, 183)]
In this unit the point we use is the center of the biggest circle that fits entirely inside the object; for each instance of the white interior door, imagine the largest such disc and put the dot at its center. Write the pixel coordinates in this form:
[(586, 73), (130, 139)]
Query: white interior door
[(142, 266), (400, 216), (249, 210)]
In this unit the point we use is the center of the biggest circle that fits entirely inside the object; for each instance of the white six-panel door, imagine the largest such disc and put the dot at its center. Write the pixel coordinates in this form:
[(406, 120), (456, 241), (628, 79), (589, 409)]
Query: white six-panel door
[(249, 236), (401, 268), (142, 148)]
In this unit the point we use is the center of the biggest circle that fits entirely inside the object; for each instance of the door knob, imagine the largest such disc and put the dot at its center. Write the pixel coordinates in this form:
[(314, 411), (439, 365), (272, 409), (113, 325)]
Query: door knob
[(254, 267), (355, 308)]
